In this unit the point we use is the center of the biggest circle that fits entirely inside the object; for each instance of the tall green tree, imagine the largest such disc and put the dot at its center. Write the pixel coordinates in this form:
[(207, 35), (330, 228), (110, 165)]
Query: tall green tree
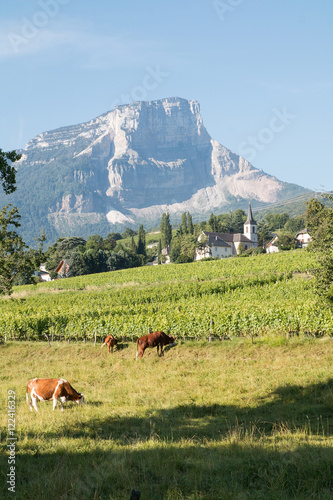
[(134, 248), (183, 225), (13, 258), (212, 223), (166, 230), (238, 217), (190, 223), (141, 249), (319, 221)]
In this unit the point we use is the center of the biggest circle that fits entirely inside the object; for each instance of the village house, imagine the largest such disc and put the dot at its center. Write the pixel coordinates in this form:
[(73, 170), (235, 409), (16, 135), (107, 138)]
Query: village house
[(62, 268), (272, 247), (221, 245), (303, 238), (42, 273)]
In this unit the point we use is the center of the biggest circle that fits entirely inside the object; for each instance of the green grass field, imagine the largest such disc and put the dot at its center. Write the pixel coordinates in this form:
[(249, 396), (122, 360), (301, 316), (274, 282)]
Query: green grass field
[(224, 420)]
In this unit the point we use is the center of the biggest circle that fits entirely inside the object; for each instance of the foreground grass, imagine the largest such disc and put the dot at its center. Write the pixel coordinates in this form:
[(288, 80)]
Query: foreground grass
[(222, 420)]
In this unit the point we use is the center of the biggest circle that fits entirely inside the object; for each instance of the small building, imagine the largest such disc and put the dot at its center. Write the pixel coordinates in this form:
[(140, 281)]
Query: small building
[(42, 273), (62, 268), (272, 247), (166, 254), (303, 237)]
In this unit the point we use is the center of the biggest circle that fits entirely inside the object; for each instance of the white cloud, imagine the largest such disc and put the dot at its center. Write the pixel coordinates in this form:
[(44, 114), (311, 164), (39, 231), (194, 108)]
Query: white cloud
[(91, 50)]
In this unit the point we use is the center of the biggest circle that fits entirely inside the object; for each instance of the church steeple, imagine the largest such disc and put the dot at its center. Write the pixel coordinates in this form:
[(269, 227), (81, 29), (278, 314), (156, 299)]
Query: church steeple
[(250, 219), (250, 226)]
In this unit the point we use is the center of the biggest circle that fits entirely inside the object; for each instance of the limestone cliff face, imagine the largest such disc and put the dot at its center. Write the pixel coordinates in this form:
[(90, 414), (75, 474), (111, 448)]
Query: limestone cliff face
[(140, 160)]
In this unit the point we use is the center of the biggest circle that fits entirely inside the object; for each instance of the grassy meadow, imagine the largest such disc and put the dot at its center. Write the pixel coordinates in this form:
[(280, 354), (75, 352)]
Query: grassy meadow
[(249, 417), (219, 420)]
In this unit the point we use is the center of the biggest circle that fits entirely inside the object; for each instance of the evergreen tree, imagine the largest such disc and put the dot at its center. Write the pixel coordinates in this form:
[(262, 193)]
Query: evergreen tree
[(212, 223), (183, 225), (133, 246), (175, 250), (190, 223), (141, 250), (238, 217), (166, 230)]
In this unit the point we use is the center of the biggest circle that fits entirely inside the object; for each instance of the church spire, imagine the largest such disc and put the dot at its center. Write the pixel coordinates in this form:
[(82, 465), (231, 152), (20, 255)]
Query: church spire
[(250, 219)]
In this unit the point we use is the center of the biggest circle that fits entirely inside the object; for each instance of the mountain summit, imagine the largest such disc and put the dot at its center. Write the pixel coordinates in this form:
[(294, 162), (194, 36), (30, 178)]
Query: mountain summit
[(130, 165)]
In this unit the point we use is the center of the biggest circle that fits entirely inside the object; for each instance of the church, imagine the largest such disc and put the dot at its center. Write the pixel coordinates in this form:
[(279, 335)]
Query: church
[(220, 245)]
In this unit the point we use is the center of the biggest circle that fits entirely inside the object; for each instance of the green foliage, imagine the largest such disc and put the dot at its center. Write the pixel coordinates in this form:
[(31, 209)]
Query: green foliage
[(286, 241), (8, 171), (128, 233), (294, 224), (141, 249), (319, 220), (183, 259), (238, 217), (166, 230), (175, 250), (276, 221)]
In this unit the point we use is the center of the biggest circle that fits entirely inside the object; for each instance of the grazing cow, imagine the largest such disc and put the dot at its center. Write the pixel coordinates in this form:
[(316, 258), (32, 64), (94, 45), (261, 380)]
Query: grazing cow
[(45, 389), (154, 339), (110, 341)]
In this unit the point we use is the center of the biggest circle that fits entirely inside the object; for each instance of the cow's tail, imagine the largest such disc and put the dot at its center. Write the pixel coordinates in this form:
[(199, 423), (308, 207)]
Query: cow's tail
[(103, 345)]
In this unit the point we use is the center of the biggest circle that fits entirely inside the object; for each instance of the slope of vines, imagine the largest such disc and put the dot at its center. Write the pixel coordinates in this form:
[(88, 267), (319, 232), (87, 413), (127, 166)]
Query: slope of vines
[(263, 294)]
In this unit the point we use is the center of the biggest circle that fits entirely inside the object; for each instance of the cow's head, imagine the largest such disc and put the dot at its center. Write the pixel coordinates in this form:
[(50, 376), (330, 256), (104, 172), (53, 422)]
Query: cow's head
[(80, 400), (172, 341)]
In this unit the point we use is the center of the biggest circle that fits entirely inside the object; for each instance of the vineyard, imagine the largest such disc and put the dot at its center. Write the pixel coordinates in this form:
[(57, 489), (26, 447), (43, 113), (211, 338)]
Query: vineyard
[(258, 295)]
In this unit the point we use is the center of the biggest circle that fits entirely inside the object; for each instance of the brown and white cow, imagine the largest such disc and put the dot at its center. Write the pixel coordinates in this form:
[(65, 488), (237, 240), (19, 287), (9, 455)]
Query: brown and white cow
[(110, 341), (154, 339), (45, 389)]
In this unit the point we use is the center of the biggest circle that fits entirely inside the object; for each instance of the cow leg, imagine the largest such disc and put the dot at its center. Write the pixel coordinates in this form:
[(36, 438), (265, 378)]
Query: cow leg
[(139, 353), (162, 351), (54, 403), (34, 402), (28, 401)]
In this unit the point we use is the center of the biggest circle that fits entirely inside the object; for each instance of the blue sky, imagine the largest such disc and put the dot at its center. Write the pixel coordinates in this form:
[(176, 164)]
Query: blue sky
[(261, 69)]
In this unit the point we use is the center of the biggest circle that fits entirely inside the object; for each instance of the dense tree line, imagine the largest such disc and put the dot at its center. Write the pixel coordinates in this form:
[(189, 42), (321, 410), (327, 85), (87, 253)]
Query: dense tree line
[(97, 255)]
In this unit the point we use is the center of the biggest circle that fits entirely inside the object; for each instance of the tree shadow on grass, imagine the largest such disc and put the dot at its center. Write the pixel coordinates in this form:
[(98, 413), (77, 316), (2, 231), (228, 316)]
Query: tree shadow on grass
[(165, 471)]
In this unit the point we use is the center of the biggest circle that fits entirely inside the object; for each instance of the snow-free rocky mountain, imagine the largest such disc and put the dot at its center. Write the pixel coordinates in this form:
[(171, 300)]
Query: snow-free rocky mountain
[(130, 165)]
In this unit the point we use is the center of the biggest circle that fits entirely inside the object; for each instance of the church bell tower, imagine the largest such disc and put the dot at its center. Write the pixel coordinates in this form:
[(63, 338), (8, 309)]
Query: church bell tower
[(250, 227)]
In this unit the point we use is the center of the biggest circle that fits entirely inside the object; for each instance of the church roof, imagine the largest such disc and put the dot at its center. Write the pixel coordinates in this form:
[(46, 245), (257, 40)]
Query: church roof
[(223, 239), (250, 219), (215, 239)]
